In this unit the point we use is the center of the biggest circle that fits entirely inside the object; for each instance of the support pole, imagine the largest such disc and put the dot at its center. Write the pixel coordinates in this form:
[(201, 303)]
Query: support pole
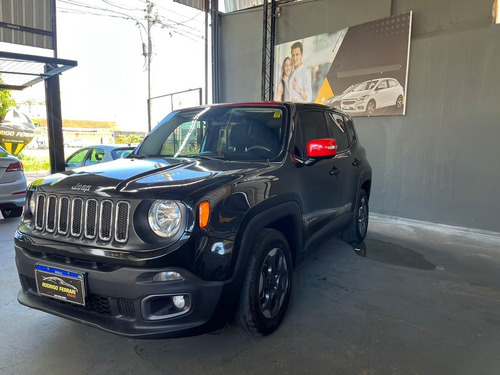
[(54, 122), (268, 37)]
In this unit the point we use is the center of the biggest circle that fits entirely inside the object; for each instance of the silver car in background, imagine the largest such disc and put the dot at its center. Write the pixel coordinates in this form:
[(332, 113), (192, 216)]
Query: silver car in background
[(372, 95), (12, 185), (336, 101)]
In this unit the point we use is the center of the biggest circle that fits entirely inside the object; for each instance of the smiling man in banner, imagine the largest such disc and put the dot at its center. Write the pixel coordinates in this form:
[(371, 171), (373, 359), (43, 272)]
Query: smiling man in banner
[(300, 78)]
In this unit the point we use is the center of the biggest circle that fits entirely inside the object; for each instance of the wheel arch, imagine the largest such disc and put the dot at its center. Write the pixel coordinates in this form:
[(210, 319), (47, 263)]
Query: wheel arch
[(366, 185), (284, 217)]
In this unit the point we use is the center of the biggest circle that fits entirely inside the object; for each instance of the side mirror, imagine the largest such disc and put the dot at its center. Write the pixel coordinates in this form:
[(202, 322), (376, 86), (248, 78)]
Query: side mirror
[(321, 148)]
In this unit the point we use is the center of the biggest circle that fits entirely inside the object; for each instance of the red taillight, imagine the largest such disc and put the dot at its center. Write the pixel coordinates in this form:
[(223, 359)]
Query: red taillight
[(17, 166)]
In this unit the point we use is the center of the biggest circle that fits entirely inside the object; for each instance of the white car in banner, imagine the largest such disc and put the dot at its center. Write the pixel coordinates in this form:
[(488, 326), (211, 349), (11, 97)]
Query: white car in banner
[(372, 95)]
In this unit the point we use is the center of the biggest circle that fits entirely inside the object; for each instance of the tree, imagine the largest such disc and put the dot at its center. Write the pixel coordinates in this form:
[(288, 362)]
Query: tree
[(6, 101)]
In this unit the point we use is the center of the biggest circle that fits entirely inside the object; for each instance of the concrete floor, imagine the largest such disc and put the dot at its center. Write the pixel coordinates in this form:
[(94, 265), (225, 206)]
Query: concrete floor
[(417, 299)]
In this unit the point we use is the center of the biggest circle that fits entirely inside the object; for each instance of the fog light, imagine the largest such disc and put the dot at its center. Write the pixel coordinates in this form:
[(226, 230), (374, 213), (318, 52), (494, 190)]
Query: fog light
[(167, 276), (179, 302), (158, 307)]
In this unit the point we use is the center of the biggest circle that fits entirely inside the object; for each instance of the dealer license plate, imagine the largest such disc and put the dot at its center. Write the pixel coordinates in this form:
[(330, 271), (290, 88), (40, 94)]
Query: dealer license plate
[(60, 284)]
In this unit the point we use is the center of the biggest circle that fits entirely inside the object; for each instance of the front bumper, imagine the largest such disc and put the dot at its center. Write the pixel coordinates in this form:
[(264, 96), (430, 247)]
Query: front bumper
[(125, 300), (357, 107)]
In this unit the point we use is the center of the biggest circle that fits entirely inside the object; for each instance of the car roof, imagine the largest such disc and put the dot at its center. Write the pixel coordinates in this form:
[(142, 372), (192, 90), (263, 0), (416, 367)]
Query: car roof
[(111, 147)]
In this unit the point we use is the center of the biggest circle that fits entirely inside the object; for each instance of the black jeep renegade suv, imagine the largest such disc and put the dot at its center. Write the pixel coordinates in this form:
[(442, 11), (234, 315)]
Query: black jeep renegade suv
[(200, 225)]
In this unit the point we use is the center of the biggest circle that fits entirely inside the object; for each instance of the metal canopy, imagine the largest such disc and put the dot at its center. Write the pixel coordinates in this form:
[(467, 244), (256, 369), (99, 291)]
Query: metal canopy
[(19, 71)]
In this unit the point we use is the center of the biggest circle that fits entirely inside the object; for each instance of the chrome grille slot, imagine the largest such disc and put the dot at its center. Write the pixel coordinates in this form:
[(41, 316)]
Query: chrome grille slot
[(106, 218), (40, 212), (76, 217), (51, 214), (82, 218), (121, 225), (62, 226), (90, 218)]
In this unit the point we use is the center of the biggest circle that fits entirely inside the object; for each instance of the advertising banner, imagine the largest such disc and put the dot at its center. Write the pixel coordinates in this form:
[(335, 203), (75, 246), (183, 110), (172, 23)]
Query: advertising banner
[(362, 70), (16, 131)]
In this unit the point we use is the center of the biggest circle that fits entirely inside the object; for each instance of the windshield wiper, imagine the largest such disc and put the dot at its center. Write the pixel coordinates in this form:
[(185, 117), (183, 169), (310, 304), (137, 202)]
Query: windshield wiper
[(136, 156), (207, 157)]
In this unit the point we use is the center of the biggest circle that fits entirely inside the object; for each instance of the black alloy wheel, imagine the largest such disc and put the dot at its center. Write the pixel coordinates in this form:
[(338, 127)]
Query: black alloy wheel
[(267, 285), (362, 216), (356, 232)]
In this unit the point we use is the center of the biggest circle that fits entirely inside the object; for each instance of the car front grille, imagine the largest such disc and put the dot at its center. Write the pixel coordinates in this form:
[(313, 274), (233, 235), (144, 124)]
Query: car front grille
[(82, 218), (348, 102)]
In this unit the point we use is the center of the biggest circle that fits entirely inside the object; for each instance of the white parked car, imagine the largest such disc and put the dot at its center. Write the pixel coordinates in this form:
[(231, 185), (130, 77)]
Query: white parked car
[(372, 95), (12, 185), (75, 142)]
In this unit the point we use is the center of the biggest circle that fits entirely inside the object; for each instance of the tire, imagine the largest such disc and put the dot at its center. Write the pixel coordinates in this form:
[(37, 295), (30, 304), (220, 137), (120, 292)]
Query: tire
[(12, 212), (268, 282), (371, 107), (399, 102), (358, 228)]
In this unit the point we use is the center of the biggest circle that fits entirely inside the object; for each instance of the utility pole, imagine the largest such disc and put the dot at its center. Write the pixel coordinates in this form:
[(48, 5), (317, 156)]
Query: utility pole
[(148, 53)]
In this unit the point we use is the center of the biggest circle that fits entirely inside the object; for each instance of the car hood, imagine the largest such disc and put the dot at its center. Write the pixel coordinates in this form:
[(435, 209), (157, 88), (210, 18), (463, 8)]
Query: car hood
[(145, 178)]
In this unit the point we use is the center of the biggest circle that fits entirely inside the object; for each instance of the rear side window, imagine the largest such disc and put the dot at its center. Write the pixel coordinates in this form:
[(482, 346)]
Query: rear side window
[(337, 129), (351, 135), (313, 126)]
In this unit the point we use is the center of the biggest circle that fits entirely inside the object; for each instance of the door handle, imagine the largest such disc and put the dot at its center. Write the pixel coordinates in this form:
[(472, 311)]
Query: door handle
[(335, 171), (356, 162)]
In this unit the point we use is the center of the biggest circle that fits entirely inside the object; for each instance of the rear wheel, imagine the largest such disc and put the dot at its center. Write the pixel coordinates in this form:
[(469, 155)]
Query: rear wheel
[(359, 226), (399, 102), (267, 285), (12, 212)]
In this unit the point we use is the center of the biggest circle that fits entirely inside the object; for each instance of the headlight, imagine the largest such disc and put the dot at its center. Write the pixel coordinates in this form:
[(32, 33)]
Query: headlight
[(364, 97), (32, 203), (165, 218)]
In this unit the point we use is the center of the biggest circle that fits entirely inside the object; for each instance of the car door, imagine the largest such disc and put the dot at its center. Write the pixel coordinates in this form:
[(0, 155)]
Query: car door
[(345, 160), (319, 182)]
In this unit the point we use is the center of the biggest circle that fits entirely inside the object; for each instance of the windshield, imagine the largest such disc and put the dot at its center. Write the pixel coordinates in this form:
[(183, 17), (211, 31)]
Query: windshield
[(225, 132)]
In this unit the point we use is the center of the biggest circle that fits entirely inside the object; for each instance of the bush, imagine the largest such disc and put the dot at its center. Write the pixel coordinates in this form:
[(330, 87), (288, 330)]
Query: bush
[(35, 164), (128, 140)]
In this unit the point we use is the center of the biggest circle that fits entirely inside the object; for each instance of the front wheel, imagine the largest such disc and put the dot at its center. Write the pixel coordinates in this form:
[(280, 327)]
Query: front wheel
[(359, 226), (371, 107), (268, 282)]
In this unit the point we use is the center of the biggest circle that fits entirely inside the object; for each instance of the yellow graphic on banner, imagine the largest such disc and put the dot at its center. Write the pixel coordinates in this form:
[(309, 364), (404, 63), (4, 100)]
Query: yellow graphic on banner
[(325, 92), (8, 147), (13, 148), (19, 147)]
